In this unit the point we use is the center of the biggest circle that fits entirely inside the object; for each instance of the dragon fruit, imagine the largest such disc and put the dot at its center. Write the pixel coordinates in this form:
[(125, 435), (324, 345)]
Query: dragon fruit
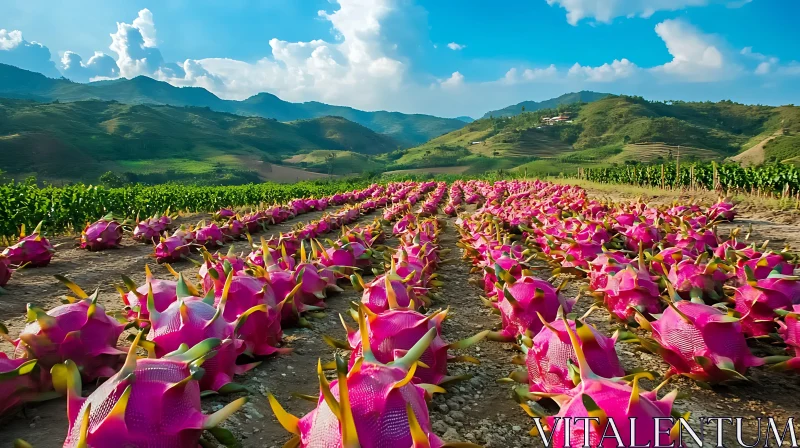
[(5, 270), (631, 289), (80, 331), (135, 299), (642, 234), (789, 331), (261, 331), (392, 333), (603, 266), (521, 303), (151, 229), (233, 229), (763, 265), (33, 250), (188, 320), (133, 407), (174, 248), (757, 300), (17, 383), (700, 342), (693, 278), (224, 214), (373, 405), (385, 292), (101, 235), (723, 210), (632, 412), (209, 236), (548, 355)]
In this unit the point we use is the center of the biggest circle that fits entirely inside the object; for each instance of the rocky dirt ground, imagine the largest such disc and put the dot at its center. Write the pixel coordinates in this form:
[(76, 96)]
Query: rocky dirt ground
[(479, 410)]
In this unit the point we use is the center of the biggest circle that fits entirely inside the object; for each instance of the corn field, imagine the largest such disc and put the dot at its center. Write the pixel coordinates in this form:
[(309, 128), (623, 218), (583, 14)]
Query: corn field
[(781, 180), (62, 208)]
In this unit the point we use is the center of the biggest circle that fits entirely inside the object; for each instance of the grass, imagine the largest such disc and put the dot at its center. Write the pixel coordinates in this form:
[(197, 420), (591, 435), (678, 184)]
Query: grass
[(783, 148)]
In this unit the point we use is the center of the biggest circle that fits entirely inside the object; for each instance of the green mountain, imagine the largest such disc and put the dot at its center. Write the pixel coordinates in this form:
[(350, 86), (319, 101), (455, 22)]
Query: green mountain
[(81, 140), (465, 119), (553, 103), (406, 129), (615, 129)]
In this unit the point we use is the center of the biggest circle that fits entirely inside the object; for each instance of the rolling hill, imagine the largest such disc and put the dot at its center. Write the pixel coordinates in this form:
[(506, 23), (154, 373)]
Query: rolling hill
[(583, 96), (614, 129), (406, 129), (81, 140)]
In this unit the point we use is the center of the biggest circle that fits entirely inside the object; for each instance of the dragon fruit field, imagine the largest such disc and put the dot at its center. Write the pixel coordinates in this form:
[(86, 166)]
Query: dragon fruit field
[(409, 314)]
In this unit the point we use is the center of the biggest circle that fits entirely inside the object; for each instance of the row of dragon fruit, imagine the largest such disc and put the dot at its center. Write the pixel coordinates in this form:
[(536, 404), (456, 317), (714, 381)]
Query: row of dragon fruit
[(35, 250), (398, 353), (696, 299), (237, 310)]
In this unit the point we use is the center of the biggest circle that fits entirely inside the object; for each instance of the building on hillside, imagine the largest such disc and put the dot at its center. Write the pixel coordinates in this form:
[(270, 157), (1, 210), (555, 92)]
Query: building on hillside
[(560, 118)]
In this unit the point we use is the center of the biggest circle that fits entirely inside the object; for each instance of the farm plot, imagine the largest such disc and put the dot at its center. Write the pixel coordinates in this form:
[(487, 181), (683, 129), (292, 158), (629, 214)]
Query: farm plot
[(528, 248)]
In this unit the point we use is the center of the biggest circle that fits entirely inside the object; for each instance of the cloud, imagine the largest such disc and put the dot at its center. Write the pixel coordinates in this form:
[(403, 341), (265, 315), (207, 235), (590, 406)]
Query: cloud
[(770, 64), (618, 69), (15, 50), (455, 81), (135, 46), (696, 57), (456, 47), (99, 66), (529, 75), (606, 10)]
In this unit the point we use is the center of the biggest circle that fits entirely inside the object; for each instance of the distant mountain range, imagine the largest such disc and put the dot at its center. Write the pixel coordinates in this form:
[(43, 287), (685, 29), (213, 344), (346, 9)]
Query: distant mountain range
[(69, 141), (583, 96), (406, 129)]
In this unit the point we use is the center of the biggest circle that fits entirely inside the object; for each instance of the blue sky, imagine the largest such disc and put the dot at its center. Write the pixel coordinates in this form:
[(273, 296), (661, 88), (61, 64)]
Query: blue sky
[(444, 57)]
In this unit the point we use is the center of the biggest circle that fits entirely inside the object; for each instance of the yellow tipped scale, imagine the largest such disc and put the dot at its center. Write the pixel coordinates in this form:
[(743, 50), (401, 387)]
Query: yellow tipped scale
[(418, 436), (348, 424), (391, 297), (327, 394)]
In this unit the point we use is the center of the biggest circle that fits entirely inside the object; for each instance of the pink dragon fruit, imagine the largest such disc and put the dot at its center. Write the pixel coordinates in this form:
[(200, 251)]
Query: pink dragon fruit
[(135, 299), (373, 405), (101, 235), (132, 407), (763, 265), (632, 412), (33, 250), (17, 382), (521, 303), (174, 248), (642, 234), (631, 289), (723, 210), (188, 320), (757, 301), (394, 332), (151, 229), (191, 320), (605, 265), (5, 270), (700, 342), (233, 229), (224, 214), (385, 292), (695, 279), (80, 331), (260, 331), (789, 331), (209, 236), (547, 356)]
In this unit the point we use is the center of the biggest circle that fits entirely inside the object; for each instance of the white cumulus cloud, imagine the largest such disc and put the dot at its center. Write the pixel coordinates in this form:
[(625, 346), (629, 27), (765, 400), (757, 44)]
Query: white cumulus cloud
[(696, 57), (456, 47), (606, 10), (15, 50), (99, 66), (135, 46), (616, 70), (455, 80)]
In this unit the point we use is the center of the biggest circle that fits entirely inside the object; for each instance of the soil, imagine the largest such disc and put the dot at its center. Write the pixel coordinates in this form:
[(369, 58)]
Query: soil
[(480, 410)]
